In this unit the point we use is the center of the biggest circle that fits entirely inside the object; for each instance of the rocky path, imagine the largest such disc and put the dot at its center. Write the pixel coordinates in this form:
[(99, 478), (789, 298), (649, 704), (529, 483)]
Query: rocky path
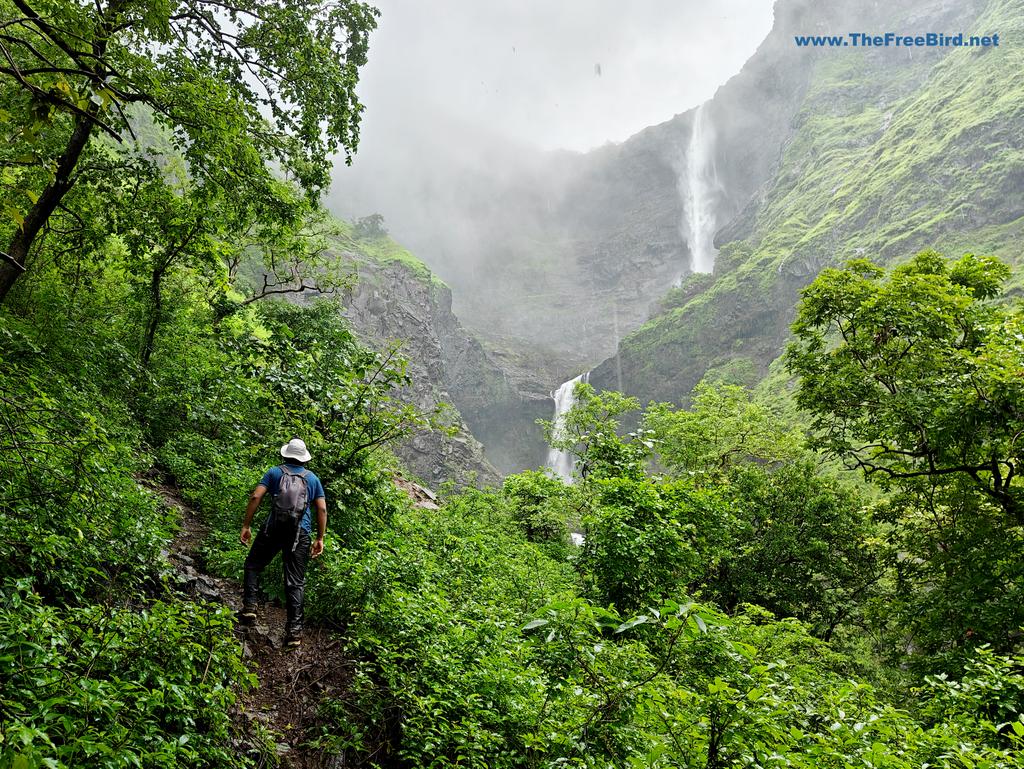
[(292, 682)]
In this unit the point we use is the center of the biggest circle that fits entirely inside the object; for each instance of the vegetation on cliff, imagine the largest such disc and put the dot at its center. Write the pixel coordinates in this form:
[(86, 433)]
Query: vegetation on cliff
[(887, 156)]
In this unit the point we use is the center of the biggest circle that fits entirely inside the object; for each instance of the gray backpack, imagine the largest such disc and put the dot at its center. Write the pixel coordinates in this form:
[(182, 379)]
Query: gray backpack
[(292, 496)]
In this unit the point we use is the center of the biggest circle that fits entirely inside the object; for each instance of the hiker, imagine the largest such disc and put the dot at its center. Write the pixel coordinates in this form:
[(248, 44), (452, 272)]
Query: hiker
[(293, 489)]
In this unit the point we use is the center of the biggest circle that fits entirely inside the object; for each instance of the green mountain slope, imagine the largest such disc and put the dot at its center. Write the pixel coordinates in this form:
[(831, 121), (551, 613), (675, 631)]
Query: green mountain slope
[(892, 151)]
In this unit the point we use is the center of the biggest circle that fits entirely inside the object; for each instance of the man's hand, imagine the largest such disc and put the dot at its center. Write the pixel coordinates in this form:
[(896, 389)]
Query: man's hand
[(318, 547), (250, 510)]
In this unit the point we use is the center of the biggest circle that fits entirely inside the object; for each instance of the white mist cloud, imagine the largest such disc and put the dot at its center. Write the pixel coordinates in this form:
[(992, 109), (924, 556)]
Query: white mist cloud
[(465, 99), (557, 74)]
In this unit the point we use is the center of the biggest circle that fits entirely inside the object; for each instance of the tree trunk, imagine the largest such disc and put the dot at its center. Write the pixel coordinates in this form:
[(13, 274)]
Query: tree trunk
[(18, 250), (155, 310)]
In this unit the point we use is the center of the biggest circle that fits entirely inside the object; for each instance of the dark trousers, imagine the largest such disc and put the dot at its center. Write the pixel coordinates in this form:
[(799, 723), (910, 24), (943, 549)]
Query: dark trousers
[(272, 539)]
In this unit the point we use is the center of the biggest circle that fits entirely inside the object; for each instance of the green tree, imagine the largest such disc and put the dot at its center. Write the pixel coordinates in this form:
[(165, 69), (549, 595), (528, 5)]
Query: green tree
[(803, 546), (243, 89), (646, 540), (540, 505), (957, 578), (723, 428), (915, 376), (591, 431)]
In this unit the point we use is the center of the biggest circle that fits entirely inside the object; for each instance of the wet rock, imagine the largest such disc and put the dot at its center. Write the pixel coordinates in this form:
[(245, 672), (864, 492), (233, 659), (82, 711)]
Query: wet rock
[(187, 573), (207, 588)]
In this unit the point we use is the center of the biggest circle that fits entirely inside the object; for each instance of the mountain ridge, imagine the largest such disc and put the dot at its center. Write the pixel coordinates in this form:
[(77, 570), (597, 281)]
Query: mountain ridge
[(883, 171)]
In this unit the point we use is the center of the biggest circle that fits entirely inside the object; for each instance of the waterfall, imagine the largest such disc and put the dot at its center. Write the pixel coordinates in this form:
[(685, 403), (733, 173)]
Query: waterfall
[(561, 462), (698, 184)]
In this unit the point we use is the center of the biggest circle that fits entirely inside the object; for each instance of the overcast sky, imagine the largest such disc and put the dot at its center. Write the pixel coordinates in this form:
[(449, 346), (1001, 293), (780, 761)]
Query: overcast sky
[(572, 74)]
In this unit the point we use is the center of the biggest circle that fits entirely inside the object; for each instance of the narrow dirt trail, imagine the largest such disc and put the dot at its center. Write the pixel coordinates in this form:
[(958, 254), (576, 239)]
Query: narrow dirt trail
[(292, 682)]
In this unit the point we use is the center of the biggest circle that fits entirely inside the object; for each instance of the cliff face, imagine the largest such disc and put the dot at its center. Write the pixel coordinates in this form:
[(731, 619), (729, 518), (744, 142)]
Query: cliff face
[(395, 299), (560, 260), (570, 251), (886, 152), (390, 304), (558, 250), (499, 400)]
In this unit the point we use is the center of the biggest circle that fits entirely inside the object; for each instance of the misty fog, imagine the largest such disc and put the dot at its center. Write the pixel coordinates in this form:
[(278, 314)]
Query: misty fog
[(478, 115)]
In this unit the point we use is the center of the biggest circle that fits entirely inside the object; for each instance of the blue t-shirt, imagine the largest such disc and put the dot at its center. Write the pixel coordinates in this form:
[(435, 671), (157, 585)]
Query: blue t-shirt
[(272, 482)]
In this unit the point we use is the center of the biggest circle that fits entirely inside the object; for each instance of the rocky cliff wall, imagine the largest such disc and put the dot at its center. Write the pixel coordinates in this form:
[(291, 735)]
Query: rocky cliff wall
[(396, 300), (821, 155)]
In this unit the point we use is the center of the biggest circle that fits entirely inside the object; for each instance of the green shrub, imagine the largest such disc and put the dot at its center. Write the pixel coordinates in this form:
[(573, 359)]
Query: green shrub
[(102, 686)]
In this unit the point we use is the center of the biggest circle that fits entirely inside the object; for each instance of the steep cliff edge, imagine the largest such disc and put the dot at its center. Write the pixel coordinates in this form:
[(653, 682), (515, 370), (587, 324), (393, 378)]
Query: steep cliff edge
[(395, 298)]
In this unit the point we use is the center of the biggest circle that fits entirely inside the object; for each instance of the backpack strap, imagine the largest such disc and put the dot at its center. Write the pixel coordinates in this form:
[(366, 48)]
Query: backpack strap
[(303, 473)]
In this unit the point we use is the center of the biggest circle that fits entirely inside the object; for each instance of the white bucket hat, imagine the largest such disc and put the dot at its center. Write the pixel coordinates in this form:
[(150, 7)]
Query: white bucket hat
[(295, 449)]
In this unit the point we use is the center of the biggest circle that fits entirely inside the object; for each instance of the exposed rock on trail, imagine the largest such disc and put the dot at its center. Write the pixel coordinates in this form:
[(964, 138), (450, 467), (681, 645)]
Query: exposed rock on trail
[(421, 496)]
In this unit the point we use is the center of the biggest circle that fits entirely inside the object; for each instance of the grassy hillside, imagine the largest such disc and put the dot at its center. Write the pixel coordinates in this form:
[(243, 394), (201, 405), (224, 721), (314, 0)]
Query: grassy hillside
[(892, 151)]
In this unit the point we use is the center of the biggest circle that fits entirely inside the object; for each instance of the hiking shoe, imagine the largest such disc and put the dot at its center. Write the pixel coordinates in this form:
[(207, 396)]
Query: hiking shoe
[(248, 614), (291, 640)]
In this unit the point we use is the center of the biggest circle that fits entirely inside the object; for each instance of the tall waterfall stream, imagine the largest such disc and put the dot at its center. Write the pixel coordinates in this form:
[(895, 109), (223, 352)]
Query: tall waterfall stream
[(697, 183)]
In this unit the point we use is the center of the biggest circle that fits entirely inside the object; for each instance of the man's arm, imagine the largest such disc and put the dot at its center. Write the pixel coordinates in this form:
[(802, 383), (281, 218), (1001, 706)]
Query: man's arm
[(250, 510), (321, 526)]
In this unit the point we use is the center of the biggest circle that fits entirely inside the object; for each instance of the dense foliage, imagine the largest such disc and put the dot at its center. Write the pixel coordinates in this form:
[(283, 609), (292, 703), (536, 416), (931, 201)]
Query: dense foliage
[(243, 92), (922, 385), (914, 377), (485, 643), (104, 662), (737, 599)]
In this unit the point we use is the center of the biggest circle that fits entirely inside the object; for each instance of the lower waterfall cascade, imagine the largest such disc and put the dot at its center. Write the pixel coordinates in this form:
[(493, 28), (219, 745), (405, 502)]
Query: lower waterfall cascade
[(560, 462)]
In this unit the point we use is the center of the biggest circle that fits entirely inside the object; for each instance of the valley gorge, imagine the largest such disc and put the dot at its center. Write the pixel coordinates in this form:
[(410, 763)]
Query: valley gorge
[(679, 253)]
